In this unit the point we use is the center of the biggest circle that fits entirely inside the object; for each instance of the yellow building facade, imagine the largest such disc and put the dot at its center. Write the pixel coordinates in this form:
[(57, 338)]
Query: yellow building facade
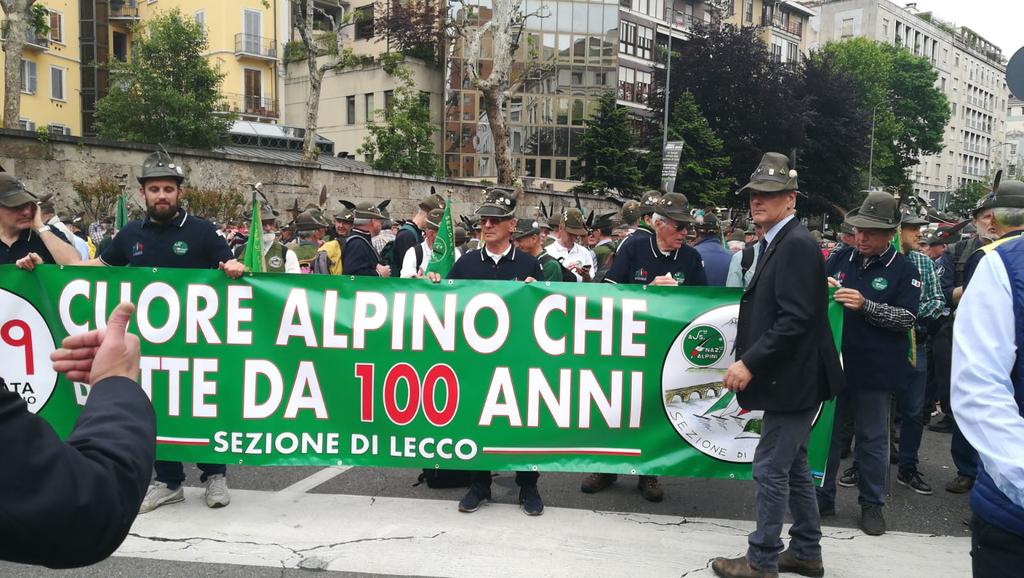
[(64, 72), (51, 62)]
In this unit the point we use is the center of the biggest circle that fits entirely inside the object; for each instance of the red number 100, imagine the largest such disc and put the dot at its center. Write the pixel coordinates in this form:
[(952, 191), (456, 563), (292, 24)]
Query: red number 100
[(24, 341)]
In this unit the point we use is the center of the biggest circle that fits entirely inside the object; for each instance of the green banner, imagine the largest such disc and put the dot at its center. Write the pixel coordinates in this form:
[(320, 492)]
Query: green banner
[(277, 369)]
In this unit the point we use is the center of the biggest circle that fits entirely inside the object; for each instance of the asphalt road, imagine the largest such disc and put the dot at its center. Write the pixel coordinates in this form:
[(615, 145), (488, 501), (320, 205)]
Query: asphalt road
[(941, 514)]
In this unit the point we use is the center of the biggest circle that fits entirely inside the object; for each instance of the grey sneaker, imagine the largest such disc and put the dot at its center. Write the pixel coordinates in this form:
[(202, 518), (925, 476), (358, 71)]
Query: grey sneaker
[(850, 478), (872, 522), (217, 495), (158, 495)]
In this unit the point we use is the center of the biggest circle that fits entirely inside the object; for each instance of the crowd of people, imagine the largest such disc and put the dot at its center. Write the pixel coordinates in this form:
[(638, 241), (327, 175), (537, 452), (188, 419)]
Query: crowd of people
[(899, 280)]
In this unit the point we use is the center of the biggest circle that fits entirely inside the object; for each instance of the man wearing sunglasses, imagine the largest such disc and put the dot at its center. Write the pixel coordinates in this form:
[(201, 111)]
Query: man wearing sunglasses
[(498, 259)]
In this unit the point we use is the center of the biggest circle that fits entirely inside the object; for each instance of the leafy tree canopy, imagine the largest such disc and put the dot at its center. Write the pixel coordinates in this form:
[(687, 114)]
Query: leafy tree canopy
[(702, 167), (966, 197), (607, 159)]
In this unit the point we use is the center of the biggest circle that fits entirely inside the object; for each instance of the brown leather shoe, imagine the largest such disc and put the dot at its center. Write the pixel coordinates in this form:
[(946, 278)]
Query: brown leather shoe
[(790, 563), (650, 489), (594, 483), (738, 568)]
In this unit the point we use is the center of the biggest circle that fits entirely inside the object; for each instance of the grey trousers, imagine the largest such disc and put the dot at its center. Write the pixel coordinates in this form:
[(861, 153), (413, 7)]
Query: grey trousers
[(784, 479)]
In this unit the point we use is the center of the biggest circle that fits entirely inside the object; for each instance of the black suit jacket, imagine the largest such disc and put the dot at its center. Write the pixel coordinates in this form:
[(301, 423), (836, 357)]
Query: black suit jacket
[(68, 504), (783, 334)]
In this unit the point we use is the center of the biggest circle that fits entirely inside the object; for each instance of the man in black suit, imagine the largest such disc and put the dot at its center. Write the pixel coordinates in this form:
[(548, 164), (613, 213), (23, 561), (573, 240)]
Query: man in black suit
[(786, 364), (69, 504)]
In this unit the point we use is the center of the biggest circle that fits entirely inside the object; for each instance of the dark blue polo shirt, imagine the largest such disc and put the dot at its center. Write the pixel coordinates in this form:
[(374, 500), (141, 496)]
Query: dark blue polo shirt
[(512, 266), (359, 257), (875, 357), (184, 242), (639, 261), (28, 241)]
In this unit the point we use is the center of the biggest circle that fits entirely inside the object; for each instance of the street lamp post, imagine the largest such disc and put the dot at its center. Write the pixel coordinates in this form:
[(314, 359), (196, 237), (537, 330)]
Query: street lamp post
[(871, 153), (668, 77)]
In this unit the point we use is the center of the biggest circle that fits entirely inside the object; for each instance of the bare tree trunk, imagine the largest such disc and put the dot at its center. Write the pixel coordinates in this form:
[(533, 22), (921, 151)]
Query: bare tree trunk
[(309, 149), (491, 99), (19, 19)]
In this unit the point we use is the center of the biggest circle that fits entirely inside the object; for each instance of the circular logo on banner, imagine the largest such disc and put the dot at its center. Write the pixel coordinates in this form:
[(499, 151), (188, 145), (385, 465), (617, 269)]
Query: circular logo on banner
[(704, 413), (275, 262), (25, 348), (703, 345), (180, 248), (879, 283), (440, 250)]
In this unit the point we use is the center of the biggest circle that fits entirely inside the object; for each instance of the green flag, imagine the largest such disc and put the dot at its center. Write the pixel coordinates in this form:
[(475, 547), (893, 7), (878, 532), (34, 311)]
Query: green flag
[(253, 258), (442, 258), (121, 219)]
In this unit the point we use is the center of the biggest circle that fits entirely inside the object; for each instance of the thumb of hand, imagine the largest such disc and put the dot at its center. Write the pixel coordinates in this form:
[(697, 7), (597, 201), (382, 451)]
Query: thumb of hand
[(117, 325)]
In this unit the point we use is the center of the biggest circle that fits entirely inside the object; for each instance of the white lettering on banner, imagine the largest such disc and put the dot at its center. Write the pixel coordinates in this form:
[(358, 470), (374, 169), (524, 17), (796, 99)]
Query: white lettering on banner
[(477, 304), (305, 377), (540, 317), (251, 408), (203, 387), (559, 408), (147, 330), (297, 305), (198, 318), (331, 339), (75, 288), (610, 407), (147, 365), (636, 398), (398, 322), (174, 366), (602, 325), (285, 443), (238, 314), (631, 328), (362, 321), (501, 386), (423, 312)]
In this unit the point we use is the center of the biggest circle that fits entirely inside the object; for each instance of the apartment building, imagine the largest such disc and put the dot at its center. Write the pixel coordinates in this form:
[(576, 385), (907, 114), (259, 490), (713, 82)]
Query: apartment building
[(785, 25), (971, 73), (1012, 151), (50, 73)]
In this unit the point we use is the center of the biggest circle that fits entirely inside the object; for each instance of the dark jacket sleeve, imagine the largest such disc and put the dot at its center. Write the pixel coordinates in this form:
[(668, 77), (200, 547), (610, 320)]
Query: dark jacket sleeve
[(619, 272), (70, 504), (359, 259), (696, 276), (794, 294), (404, 240)]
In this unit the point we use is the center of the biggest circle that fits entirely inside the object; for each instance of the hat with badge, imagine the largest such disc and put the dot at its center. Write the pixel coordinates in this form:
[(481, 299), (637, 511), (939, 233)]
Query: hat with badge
[(709, 224), (572, 220), (880, 210), (649, 201), (846, 228), (160, 165), (345, 213), (497, 203), (525, 228), (369, 210), (772, 175), (267, 212), (432, 201), (1007, 195), (674, 206), (630, 212), (310, 220), (434, 218), (910, 218), (460, 235), (13, 193), (932, 238)]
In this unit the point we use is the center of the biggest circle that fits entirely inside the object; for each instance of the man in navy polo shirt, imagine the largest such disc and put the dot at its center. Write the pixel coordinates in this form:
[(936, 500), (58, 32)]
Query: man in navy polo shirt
[(498, 259), (662, 258), (24, 239), (881, 292), (170, 237)]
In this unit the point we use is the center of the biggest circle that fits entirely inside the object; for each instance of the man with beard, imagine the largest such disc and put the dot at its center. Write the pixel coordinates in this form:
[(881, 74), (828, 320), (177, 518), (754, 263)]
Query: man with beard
[(170, 237)]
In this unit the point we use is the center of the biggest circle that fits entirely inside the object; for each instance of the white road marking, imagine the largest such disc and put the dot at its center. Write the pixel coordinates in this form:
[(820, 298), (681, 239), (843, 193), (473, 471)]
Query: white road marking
[(306, 484), (403, 536)]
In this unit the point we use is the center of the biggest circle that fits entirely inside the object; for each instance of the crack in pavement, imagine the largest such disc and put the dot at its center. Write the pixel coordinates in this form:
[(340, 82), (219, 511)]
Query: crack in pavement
[(629, 517), (706, 566), (359, 540)]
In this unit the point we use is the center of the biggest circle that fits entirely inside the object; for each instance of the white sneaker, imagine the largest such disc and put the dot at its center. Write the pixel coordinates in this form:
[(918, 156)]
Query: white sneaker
[(158, 495), (217, 495)]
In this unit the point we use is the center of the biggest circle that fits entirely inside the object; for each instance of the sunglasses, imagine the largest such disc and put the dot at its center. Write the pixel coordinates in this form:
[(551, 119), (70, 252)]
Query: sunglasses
[(493, 220), (678, 227)]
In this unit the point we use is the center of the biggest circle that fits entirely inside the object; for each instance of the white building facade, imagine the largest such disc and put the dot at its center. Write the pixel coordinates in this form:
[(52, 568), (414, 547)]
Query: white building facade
[(971, 73)]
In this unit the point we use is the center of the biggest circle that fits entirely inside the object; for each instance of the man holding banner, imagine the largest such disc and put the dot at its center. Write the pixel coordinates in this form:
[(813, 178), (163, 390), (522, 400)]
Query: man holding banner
[(498, 259), (787, 365), (170, 237)]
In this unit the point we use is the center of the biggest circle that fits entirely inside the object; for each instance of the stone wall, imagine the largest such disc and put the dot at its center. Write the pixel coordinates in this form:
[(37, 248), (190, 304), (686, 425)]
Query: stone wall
[(54, 166)]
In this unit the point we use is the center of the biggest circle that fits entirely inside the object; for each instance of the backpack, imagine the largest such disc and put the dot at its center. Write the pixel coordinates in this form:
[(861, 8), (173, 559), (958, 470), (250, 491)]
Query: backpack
[(746, 260), (436, 478), (387, 253)]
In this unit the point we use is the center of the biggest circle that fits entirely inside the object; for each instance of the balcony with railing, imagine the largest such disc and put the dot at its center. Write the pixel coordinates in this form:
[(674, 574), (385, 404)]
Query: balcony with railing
[(33, 40), (255, 46), (247, 105), (124, 10)]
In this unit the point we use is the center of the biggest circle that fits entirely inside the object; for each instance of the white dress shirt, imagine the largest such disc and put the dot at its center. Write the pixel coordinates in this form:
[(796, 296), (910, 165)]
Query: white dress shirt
[(984, 352), (577, 255)]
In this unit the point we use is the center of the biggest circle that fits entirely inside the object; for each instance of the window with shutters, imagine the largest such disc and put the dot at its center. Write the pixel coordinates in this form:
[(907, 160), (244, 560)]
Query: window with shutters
[(56, 27), (57, 83), (28, 77)]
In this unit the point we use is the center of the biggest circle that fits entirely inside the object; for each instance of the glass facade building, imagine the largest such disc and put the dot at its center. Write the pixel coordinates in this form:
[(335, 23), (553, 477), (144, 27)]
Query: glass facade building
[(577, 44)]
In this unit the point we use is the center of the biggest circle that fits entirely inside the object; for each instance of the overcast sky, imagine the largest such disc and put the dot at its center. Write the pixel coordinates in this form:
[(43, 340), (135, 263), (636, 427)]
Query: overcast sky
[(999, 21)]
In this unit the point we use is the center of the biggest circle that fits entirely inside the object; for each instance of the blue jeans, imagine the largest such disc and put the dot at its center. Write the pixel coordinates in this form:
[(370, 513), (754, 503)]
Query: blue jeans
[(173, 473), (871, 444), (784, 479), (910, 401), (965, 458)]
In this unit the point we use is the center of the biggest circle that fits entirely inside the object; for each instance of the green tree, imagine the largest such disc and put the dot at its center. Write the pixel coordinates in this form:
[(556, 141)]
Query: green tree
[(168, 92), (703, 169), (607, 159), (401, 137), (966, 197), (910, 113)]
